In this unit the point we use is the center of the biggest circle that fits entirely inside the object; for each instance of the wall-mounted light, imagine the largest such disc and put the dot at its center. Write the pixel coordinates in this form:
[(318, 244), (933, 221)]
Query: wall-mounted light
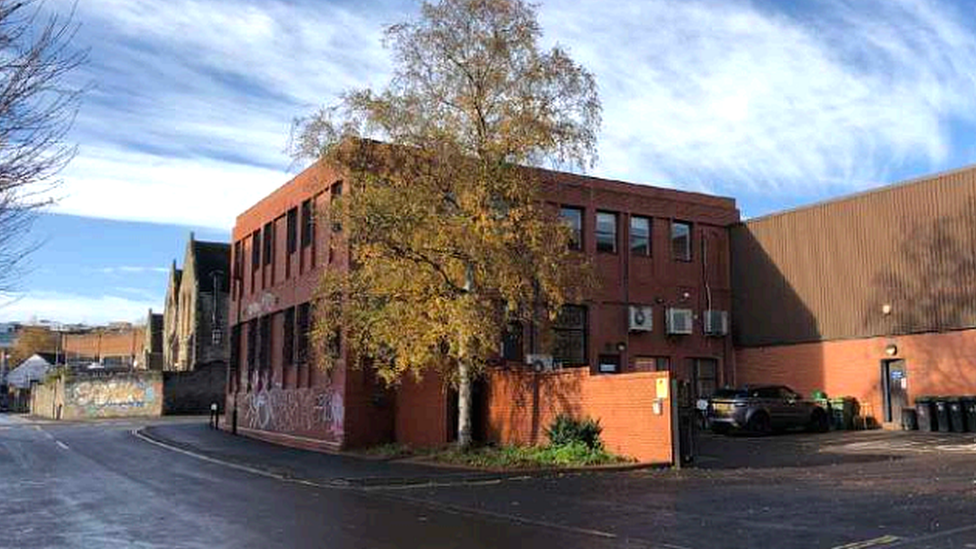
[(621, 347), (891, 349), (886, 309)]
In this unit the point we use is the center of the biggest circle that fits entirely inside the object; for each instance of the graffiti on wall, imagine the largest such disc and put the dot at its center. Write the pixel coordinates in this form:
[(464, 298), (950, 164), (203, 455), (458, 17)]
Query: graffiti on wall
[(305, 410), (111, 396)]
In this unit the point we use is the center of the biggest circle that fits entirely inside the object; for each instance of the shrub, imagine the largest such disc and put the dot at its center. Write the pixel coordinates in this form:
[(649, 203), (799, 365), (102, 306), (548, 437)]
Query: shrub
[(566, 431)]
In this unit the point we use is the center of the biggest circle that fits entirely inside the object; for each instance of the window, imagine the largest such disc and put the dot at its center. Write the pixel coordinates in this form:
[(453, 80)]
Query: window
[(308, 223), (264, 347), (606, 232), (292, 230), (681, 241), (256, 250), (268, 243), (573, 217), (335, 344), (252, 347), (512, 342), (336, 193), (705, 371), (609, 364), (288, 337), (302, 325), (569, 331), (640, 235), (652, 363), (236, 275)]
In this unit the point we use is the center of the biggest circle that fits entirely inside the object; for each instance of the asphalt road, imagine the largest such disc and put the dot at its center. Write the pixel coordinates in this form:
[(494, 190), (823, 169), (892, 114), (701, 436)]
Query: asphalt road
[(97, 485)]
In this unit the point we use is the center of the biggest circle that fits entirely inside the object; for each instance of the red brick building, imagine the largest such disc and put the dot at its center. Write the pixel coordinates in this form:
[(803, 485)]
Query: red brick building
[(663, 264), (871, 296)]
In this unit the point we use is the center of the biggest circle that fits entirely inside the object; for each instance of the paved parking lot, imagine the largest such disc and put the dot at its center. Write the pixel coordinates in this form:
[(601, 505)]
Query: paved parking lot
[(801, 449)]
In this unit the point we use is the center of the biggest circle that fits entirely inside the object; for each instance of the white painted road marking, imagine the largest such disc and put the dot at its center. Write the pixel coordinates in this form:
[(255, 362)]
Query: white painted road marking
[(883, 540), (61, 444)]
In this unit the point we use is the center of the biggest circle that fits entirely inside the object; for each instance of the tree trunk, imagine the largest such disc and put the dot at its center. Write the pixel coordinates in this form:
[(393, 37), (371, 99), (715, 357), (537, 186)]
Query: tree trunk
[(464, 405)]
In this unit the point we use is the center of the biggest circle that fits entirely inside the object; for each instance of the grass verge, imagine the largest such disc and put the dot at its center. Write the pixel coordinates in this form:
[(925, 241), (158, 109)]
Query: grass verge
[(528, 457)]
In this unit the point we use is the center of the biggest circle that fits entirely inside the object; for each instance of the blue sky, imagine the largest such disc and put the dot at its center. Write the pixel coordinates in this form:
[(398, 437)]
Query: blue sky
[(778, 104)]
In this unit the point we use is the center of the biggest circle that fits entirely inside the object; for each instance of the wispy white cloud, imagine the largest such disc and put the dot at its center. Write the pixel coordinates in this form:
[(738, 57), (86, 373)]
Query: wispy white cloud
[(736, 97), (194, 98), (129, 269), (73, 308)]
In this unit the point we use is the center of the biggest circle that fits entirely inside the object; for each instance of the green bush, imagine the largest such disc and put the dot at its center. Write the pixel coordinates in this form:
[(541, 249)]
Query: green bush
[(568, 431)]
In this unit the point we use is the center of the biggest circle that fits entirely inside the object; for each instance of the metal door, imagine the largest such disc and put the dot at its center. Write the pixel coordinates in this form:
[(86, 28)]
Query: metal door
[(894, 386)]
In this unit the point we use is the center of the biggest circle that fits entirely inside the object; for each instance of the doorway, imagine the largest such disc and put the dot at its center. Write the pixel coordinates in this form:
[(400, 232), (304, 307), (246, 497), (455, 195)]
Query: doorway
[(894, 388)]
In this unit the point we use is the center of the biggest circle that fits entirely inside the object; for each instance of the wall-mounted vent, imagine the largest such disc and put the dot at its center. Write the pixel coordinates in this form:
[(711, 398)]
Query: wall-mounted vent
[(641, 318)]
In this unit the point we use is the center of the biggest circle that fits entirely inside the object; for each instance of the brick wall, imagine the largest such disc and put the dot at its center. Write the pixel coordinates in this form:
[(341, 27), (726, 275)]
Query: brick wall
[(937, 364), (520, 405), (421, 412)]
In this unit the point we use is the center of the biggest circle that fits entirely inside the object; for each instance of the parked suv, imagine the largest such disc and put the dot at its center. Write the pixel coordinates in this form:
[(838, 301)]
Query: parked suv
[(761, 409)]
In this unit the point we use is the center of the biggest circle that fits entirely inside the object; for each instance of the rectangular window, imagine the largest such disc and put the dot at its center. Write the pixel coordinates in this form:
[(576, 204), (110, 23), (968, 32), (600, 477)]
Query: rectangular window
[(288, 337), (336, 193), (681, 241), (252, 348), (609, 364), (268, 243), (292, 230), (512, 342), (705, 371), (256, 250), (264, 346), (606, 232), (335, 344), (236, 275), (302, 325), (569, 335), (640, 235), (308, 223), (573, 217)]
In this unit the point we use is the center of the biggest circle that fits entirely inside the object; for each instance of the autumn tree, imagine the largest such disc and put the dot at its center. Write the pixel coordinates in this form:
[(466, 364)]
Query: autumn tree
[(448, 231), (37, 107), (31, 340)]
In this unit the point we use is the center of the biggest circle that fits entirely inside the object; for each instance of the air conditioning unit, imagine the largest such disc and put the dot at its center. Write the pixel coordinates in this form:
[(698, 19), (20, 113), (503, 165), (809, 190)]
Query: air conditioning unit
[(540, 363), (680, 321), (641, 318), (716, 322)]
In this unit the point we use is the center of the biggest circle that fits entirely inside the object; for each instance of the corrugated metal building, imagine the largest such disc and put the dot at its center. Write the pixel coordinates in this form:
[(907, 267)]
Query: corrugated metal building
[(871, 296)]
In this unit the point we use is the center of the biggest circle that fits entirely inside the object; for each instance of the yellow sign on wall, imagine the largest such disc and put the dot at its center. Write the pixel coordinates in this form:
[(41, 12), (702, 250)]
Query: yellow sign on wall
[(662, 387)]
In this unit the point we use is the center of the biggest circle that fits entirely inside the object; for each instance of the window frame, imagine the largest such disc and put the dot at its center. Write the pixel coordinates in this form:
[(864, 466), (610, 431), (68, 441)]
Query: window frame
[(288, 337), (598, 234), (307, 223), (583, 331), (689, 257), (648, 248), (292, 230), (577, 238)]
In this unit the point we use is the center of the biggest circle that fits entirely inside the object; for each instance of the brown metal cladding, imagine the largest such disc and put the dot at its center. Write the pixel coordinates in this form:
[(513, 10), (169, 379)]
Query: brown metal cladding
[(826, 271)]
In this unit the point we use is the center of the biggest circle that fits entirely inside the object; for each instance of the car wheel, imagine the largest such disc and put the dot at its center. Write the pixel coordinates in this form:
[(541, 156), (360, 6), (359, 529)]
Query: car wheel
[(819, 422), (759, 424)]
